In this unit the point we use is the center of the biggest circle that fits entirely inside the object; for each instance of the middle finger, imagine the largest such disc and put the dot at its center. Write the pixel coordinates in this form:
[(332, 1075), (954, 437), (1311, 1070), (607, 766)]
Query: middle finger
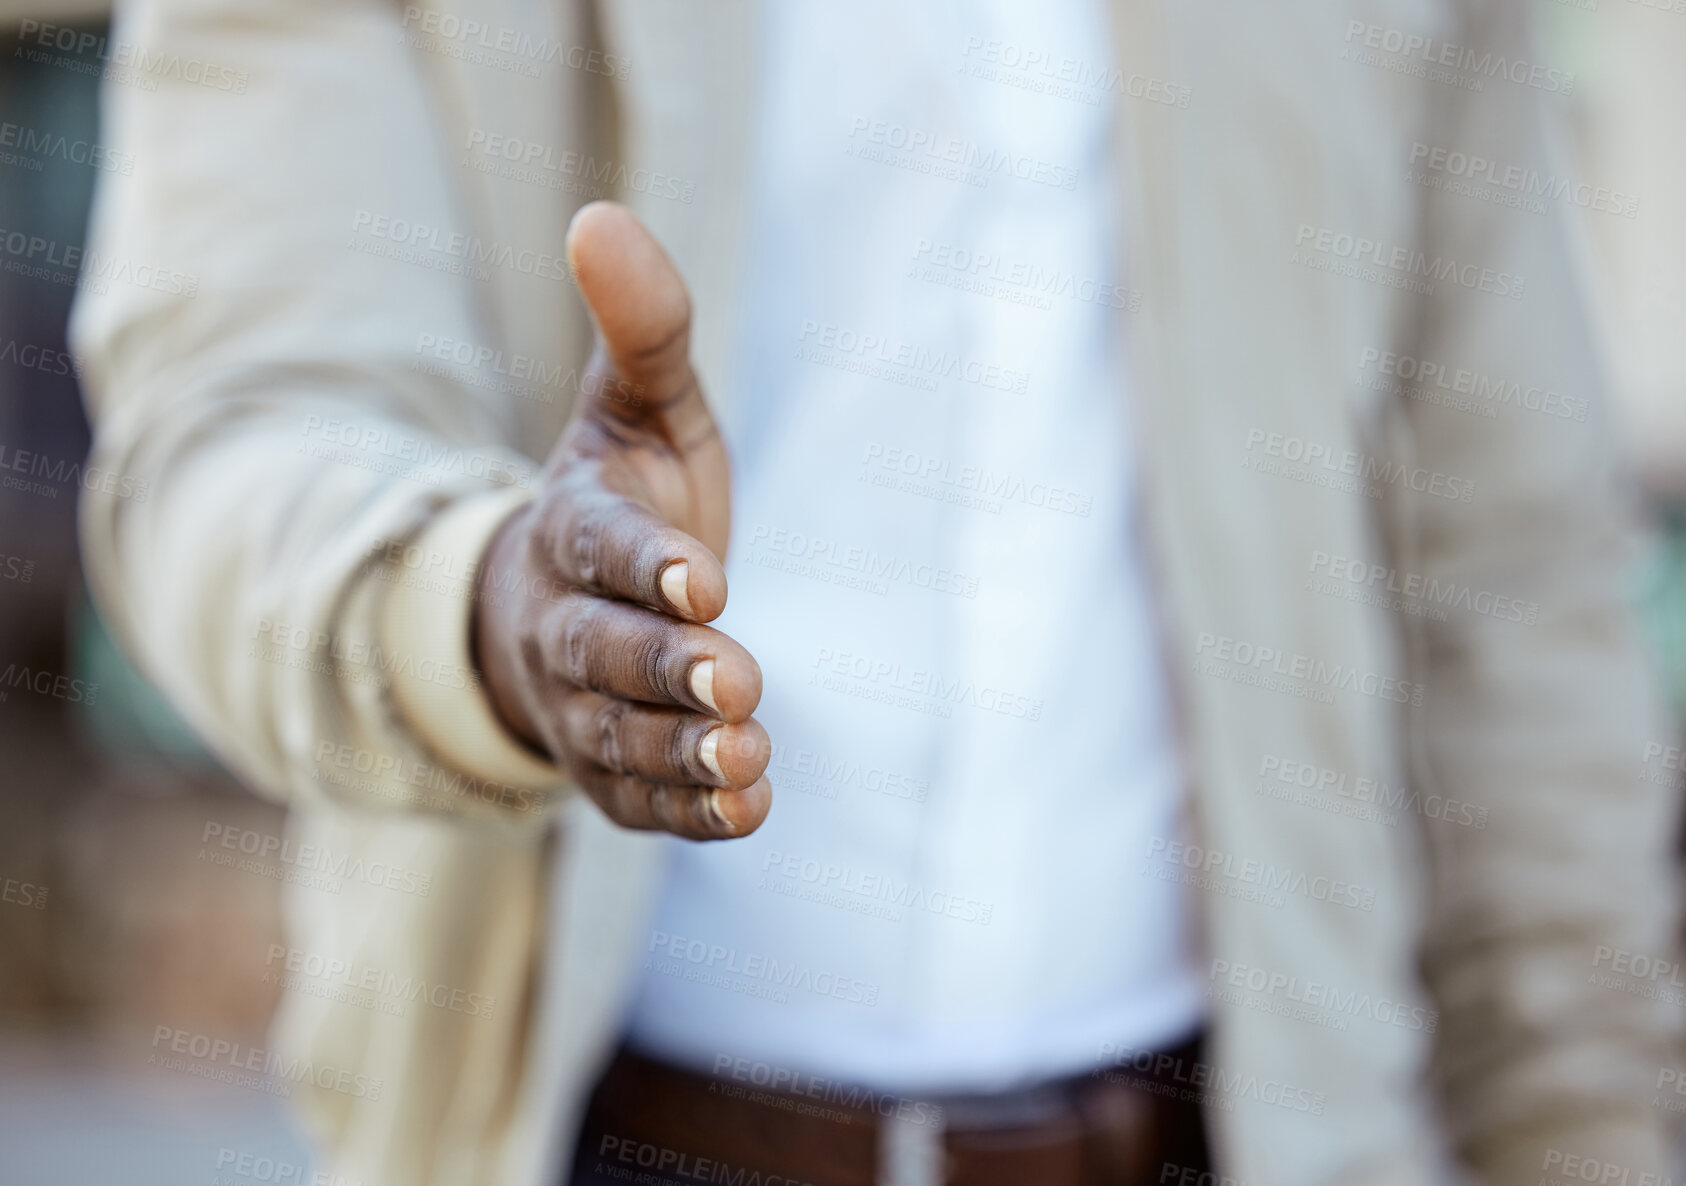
[(665, 745), (627, 652)]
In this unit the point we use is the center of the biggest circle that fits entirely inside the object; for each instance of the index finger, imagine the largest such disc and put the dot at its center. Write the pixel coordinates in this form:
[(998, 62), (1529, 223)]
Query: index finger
[(610, 545)]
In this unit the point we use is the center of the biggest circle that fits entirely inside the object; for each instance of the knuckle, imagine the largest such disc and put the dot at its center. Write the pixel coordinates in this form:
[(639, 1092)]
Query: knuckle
[(656, 656), (583, 547), (533, 654), (663, 807), (680, 745), (649, 556), (701, 810), (608, 728), (575, 531), (684, 813), (554, 529), (576, 645), (697, 819)]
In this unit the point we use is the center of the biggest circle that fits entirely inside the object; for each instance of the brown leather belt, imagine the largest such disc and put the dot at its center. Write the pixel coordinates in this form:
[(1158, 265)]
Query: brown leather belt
[(651, 1124)]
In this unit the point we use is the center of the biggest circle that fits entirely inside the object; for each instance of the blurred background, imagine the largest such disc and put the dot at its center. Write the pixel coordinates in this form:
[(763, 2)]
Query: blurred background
[(112, 920)]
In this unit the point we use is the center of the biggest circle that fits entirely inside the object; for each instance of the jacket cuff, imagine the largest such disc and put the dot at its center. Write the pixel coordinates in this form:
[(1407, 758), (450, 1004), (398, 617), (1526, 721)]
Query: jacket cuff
[(425, 625)]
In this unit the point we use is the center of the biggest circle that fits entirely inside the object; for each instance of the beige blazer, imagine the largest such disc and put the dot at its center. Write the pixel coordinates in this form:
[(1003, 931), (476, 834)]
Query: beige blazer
[(332, 335)]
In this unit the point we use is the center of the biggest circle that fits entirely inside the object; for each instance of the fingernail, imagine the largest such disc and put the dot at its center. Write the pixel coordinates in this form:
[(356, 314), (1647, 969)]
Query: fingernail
[(673, 580), (714, 809), (702, 683), (709, 752)]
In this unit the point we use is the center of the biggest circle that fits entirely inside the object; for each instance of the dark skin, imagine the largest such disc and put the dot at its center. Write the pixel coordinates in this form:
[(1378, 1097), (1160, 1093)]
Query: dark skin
[(618, 678)]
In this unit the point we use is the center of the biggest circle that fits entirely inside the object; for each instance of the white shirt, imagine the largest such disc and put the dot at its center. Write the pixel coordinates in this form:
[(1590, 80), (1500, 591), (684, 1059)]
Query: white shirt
[(933, 560)]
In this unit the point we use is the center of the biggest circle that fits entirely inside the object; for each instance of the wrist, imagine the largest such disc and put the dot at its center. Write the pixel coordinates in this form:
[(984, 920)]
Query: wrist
[(494, 624)]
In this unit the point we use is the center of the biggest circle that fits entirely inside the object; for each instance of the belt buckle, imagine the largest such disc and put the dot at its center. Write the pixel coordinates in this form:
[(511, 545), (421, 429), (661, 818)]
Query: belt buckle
[(911, 1153)]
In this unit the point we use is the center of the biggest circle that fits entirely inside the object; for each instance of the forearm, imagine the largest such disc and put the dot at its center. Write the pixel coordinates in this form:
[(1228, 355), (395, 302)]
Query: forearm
[(294, 599), (291, 450)]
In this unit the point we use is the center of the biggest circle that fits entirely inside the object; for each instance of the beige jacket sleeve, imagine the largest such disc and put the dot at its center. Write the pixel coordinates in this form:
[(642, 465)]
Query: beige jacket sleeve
[(1543, 721), (290, 536)]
